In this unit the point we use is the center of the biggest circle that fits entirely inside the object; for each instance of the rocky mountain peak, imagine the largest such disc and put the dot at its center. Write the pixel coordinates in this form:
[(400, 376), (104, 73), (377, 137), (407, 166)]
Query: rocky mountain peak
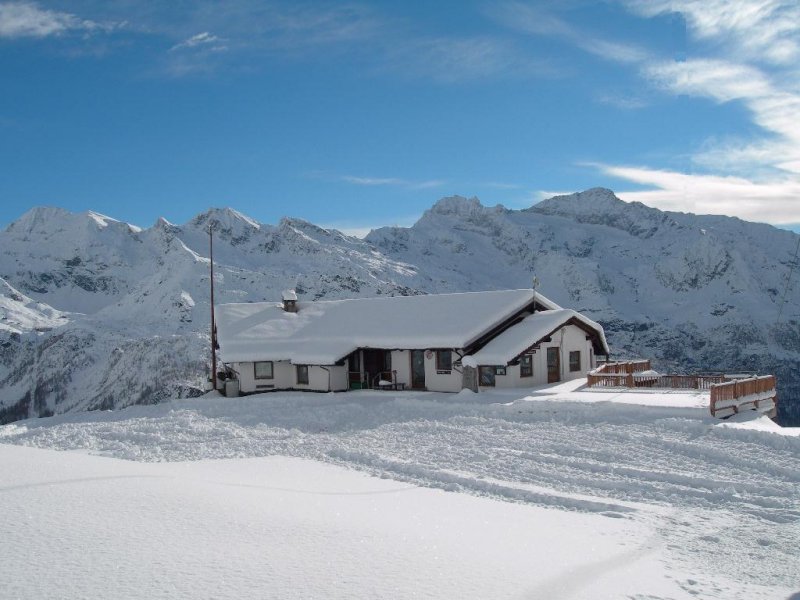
[(600, 206), (224, 218), (591, 201), (40, 218), (457, 205)]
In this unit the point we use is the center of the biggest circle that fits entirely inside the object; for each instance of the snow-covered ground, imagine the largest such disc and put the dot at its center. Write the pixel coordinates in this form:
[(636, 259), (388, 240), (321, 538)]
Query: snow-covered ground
[(555, 493)]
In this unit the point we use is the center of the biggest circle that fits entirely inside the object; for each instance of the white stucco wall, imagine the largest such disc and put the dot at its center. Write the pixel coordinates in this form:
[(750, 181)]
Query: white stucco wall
[(339, 380), (574, 338), (282, 372), (285, 378), (441, 382)]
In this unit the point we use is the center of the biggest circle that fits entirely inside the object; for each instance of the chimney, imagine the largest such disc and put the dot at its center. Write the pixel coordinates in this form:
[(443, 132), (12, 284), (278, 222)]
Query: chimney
[(289, 301)]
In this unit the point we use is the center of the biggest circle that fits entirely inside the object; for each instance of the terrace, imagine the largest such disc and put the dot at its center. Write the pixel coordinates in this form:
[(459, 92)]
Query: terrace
[(728, 394)]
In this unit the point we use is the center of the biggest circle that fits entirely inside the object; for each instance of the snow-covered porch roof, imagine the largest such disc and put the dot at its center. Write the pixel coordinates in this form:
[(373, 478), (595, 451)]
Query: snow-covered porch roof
[(325, 332), (531, 330)]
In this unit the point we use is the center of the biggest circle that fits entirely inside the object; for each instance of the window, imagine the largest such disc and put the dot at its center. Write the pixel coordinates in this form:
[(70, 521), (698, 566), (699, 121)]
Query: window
[(355, 361), (499, 370), (575, 360), (387, 360), (444, 360), (263, 370), (302, 373), (486, 376), (526, 366)]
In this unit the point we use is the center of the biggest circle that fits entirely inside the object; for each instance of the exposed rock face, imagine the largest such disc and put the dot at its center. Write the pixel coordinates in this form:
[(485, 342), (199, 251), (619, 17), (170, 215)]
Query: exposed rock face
[(95, 313)]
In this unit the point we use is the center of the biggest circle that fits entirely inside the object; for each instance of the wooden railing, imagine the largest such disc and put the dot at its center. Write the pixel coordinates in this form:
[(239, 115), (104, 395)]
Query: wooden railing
[(732, 397), (635, 374), (729, 395)]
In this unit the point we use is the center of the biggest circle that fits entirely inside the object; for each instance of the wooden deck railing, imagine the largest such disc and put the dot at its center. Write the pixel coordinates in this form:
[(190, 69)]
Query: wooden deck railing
[(729, 396), (732, 397), (635, 374)]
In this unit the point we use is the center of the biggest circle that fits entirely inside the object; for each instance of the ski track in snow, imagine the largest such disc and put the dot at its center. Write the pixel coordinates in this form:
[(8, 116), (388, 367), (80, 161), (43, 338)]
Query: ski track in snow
[(723, 501)]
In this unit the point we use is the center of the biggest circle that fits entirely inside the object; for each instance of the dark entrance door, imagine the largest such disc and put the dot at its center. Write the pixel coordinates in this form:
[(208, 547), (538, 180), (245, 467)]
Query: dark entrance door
[(553, 365), (418, 369)]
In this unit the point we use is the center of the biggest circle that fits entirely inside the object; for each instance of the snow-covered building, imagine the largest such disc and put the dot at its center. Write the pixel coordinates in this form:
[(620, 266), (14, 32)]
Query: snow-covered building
[(508, 338)]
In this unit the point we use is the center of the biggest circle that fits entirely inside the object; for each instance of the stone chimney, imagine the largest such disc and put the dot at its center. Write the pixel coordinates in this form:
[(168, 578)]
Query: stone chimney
[(289, 301)]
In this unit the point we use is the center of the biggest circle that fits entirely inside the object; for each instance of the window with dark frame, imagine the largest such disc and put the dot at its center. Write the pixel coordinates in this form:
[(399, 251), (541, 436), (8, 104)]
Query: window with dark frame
[(355, 361), (526, 366), (302, 374), (263, 370), (500, 370), (575, 360), (444, 360)]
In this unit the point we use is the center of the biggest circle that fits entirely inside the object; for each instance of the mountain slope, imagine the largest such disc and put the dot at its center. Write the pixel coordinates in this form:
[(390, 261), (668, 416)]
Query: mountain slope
[(693, 292)]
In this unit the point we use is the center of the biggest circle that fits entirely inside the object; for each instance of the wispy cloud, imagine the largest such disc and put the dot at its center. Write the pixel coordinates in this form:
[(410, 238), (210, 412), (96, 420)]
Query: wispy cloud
[(618, 100), (764, 30), (533, 20), (463, 59), (392, 181), (203, 40), (752, 57), (29, 20), (773, 201)]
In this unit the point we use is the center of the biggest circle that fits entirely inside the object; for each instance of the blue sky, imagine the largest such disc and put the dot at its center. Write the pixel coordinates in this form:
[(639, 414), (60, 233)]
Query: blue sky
[(363, 114)]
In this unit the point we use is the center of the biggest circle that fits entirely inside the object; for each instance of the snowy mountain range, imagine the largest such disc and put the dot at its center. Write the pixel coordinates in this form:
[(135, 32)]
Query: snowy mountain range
[(96, 313)]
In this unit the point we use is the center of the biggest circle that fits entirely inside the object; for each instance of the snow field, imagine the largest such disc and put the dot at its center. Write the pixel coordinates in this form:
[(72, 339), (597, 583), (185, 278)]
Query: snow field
[(719, 501), (79, 526)]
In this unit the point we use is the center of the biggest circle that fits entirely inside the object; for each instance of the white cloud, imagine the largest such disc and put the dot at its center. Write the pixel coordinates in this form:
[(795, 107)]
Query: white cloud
[(527, 19), (462, 59), (717, 79), (765, 30), (29, 20), (773, 109), (202, 40), (775, 201), (392, 181), (758, 66)]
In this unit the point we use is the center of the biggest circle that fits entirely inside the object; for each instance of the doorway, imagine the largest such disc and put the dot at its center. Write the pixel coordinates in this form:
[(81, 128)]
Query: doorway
[(377, 365), (418, 369), (553, 365)]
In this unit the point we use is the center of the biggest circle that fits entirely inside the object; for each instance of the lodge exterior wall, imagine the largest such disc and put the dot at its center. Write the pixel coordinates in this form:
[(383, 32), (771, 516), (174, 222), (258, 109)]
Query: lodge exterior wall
[(567, 339), (331, 378), (336, 377)]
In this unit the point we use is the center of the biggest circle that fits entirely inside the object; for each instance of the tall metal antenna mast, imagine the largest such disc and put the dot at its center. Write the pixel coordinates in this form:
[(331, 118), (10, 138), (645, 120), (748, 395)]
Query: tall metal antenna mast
[(792, 266), (213, 323)]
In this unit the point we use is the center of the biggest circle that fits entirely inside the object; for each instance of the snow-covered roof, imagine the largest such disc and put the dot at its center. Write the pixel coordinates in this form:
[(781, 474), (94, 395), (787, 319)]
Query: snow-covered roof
[(289, 295), (324, 332), (515, 340)]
